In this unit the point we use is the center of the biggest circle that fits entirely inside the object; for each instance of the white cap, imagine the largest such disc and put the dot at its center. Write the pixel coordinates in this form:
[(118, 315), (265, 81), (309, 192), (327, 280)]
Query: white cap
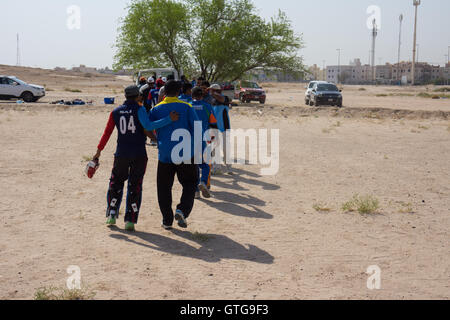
[(216, 87), (164, 79)]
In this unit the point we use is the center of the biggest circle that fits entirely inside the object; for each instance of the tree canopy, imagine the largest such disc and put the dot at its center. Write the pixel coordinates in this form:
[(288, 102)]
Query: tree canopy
[(219, 39)]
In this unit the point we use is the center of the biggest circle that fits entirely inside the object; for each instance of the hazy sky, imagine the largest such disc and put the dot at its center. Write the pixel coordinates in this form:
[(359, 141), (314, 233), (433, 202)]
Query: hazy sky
[(326, 25)]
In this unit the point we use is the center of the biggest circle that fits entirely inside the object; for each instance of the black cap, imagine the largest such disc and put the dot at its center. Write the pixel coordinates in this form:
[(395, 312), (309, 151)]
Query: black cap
[(132, 92)]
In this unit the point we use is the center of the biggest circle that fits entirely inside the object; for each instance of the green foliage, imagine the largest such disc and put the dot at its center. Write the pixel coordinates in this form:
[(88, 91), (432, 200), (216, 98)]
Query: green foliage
[(362, 204), (54, 293), (220, 39), (150, 35)]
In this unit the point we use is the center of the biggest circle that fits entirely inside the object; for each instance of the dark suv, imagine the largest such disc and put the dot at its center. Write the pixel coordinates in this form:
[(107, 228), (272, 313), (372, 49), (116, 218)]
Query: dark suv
[(326, 94)]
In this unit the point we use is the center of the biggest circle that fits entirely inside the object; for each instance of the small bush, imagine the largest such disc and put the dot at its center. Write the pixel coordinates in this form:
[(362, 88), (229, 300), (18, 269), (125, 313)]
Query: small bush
[(72, 90), (319, 207), (406, 208), (53, 293), (362, 89), (424, 95), (381, 95), (445, 89), (200, 237), (362, 204)]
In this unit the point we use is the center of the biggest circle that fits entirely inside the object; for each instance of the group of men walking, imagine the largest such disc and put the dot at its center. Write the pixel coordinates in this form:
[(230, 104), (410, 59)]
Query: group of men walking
[(156, 109)]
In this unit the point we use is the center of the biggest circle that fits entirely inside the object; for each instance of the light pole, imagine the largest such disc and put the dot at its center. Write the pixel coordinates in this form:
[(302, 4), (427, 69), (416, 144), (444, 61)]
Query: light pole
[(399, 45), (448, 55), (339, 65), (416, 4), (374, 36), (418, 53), (324, 71)]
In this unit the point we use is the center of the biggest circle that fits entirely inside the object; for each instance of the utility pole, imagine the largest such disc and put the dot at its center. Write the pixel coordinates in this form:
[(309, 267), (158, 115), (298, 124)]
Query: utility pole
[(374, 36), (324, 72), (339, 65), (399, 45), (416, 4), (448, 55), (418, 53), (18, 62)]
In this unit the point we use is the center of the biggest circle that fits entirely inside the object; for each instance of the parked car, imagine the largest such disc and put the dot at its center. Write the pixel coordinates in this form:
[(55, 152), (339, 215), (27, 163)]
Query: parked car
[(247, 91), (325, 94), (309, 88), (11, 87)]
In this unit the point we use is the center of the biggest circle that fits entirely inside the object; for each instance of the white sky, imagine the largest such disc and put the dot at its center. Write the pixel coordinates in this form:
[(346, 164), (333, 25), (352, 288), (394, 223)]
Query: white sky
[(326, 25)]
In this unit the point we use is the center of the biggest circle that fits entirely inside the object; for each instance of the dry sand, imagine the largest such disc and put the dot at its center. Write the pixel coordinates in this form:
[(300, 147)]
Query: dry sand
[(259, 237)]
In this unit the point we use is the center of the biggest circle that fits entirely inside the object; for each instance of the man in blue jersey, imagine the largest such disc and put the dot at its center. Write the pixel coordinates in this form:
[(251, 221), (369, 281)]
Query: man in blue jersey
[(205, 114), (186, 93), (171, 162), (130, 163)]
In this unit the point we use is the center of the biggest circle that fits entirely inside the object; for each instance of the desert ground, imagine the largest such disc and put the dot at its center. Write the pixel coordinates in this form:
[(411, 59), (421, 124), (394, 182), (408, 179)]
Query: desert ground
[(260, 237)]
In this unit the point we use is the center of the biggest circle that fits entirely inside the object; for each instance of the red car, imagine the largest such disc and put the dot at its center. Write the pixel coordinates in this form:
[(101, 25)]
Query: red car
[(247, 91)]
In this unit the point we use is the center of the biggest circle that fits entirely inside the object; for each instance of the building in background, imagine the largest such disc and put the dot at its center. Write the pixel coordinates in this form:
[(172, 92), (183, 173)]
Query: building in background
[(356, 73)]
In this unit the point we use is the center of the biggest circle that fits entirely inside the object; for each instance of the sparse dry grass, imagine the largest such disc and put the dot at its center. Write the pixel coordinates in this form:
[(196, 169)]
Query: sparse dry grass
[(362, 204), (201, 237), (73, 90), (320, 207), (54, 293), (406, 208)]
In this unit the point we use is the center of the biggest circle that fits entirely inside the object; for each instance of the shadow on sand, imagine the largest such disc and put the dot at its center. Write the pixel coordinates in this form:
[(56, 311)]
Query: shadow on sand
[(213, 249)]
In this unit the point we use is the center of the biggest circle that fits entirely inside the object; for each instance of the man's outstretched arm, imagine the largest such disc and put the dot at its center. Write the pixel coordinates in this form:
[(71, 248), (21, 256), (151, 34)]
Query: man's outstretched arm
[(155, 125)]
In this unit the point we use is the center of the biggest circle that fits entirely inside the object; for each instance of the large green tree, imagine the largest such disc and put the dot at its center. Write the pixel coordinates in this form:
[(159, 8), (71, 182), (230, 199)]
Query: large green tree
[(220, 39)]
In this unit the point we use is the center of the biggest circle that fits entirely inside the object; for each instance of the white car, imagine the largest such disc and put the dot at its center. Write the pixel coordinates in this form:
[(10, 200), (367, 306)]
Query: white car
[(11, 87), (309, 88)]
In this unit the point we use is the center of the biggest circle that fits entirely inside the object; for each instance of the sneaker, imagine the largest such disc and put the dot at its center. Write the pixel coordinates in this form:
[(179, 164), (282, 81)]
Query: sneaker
[(197, 195), (205, 191), (129, 226), (179, 216), (111, 221), (166, 227)]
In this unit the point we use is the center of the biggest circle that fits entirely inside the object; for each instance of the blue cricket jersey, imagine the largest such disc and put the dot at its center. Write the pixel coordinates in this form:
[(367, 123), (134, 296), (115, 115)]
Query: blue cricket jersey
[(164, 135)]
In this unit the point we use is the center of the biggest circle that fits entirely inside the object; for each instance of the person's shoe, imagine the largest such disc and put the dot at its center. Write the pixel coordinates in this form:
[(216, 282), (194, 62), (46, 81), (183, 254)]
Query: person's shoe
[(179, 216), (197, 195), (204, 189), (129, 226), (111, 221), (168, 228)]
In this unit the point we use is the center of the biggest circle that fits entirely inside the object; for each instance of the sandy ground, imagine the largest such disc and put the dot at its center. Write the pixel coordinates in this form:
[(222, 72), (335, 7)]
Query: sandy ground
[(259, 237)]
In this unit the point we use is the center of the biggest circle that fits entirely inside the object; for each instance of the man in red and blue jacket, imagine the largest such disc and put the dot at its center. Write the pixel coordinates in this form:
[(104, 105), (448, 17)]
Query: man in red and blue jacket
[(130, 163)]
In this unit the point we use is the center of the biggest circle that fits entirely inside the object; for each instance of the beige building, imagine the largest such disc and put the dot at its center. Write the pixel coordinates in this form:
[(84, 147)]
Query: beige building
[(355, 73), (82, 68)]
